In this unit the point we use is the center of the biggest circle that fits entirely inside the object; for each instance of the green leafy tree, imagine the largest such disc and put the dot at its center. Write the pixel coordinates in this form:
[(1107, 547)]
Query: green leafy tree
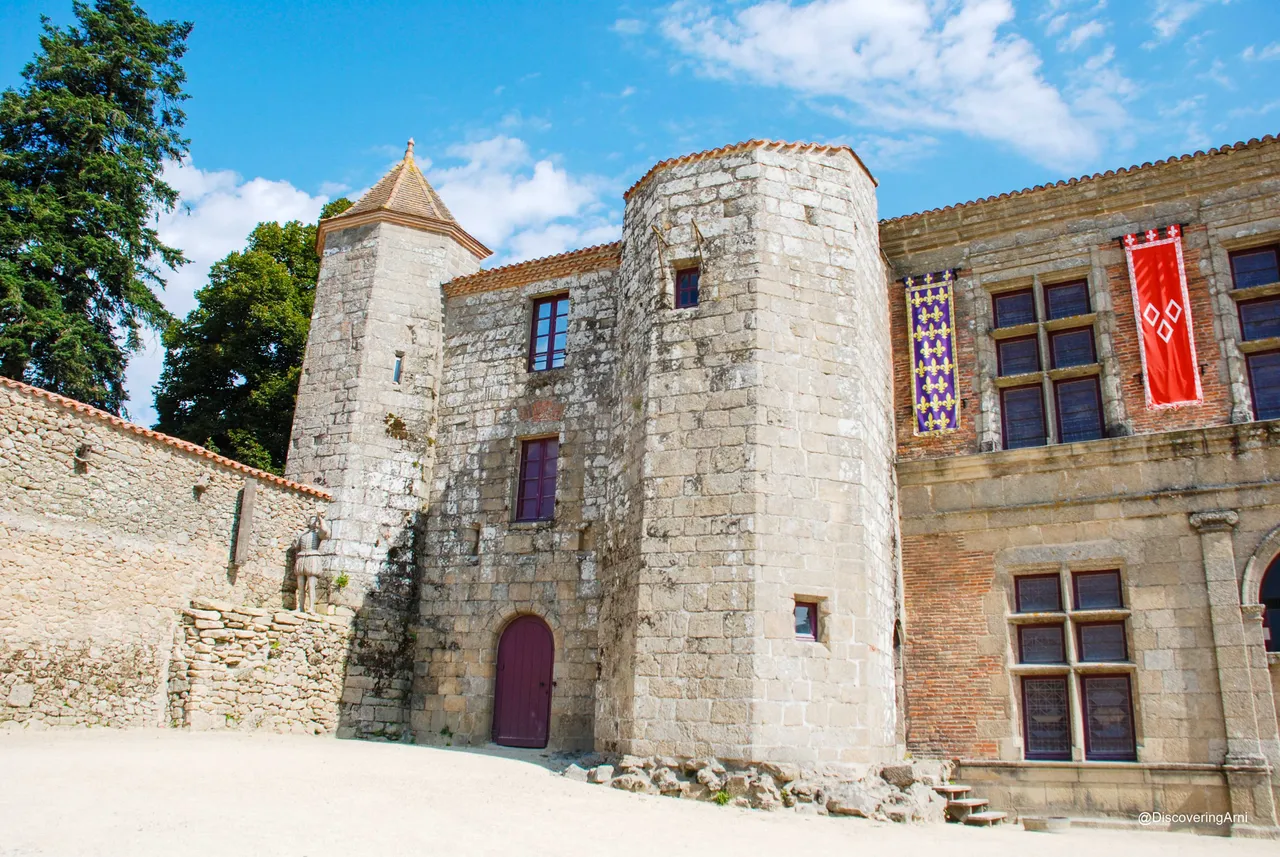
[(231, 368), (83, 143)]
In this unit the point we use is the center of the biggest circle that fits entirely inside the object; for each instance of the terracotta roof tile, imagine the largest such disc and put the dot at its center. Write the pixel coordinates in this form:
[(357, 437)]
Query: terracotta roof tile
[(742, 147), (1083, 179), (537, 270), (185, 446)]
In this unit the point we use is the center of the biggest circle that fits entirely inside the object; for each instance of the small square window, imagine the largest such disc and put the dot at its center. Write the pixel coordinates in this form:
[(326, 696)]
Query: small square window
[(1018, 356), (1102, 641), (1264, 383), (1014, 308), (806, 620), (1066, 300), (687, 287), (548, 333), (1022, 417), (1038, 593), (1257, 267), (1072, 348), (1079, 409), (1260, 319), (1097, 590), (1041, 644)]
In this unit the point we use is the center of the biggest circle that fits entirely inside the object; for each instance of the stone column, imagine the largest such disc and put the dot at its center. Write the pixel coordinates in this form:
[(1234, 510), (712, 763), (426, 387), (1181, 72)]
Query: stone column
[(1247, 772)]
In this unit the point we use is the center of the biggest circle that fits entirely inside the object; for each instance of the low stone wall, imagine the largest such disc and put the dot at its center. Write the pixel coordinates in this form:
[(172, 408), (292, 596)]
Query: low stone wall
[(1117, 790), (902, 792), (107, 531), (241, 667)]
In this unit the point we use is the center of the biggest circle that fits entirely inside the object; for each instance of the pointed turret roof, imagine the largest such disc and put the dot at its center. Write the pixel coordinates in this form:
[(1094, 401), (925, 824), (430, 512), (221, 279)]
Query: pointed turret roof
[(405, 197)]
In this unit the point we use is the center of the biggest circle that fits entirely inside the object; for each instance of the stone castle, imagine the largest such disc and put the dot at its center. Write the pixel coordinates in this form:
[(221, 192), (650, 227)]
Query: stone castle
[(670, 497)]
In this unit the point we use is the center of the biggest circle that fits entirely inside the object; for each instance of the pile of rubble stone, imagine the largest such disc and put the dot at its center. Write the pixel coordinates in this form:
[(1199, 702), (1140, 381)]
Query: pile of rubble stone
[(902, 792)]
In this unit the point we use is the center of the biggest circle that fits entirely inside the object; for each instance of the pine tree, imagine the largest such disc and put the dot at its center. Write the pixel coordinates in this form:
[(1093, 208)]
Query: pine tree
[(231, 368), (82, 146)]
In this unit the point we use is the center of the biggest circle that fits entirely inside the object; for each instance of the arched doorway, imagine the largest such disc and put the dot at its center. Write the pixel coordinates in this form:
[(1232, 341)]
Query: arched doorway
[(1269, 596), (522, 689)]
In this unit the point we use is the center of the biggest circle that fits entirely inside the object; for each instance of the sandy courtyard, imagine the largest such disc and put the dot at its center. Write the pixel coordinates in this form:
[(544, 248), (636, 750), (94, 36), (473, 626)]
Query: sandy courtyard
[(136, 794)]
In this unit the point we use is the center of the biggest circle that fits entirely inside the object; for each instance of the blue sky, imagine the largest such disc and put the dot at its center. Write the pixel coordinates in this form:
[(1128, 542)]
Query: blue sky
[(531, 118)]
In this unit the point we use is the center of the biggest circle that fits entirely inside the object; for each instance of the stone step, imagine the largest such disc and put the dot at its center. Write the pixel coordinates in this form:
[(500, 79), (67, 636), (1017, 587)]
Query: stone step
[(959, 809), (951, 789), (988, 819)]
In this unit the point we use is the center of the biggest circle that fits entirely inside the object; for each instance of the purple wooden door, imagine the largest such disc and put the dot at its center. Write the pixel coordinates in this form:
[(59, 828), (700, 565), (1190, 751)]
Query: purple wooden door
[(522, 692)]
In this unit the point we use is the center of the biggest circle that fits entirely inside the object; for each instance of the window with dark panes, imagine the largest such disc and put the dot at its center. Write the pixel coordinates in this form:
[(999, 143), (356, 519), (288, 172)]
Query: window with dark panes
[(1079, 403), (1066, 300), (806, 620), (1264, 383), (1041, 644), (536, 496), (1045, 718), (1016, 356), (1038, 593), (1108, 718), (687, 287), (1097, 590), (1022, 417), (1260, 319), (1071, 348), (1256, 267), (1269, 596), (1013, 308), (550, 330), (1101, 641)]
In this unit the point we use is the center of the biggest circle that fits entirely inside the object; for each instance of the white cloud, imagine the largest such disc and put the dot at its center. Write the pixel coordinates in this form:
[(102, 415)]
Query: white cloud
[(908, 64), (520, 207), (629, 26), (1082, 34), (1169, 16), (1270, 52), (217, 211)]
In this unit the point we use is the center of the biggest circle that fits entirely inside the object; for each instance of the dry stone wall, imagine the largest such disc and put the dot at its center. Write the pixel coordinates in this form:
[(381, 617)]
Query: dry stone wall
[(237, 667), (106, 534)]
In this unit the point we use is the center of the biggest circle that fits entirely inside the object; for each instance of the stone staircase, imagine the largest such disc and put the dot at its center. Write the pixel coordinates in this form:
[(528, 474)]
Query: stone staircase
[(969, 810)]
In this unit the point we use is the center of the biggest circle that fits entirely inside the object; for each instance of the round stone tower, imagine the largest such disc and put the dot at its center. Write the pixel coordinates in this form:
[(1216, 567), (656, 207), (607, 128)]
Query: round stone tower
[(754, 466)]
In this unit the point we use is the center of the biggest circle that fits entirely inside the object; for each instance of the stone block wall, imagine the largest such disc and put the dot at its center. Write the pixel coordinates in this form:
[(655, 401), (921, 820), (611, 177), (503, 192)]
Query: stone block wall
[(481, 567), (370, 436), (99, 556), (1224, 201), (237, 667), (970, 524), (766, 471)]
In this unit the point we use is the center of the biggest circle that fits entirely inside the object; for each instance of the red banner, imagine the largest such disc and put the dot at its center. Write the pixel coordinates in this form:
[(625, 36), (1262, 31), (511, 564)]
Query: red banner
[(1163, 310)]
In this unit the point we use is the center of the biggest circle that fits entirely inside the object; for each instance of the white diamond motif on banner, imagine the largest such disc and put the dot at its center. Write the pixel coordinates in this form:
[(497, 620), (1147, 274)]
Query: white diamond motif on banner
[(1165, 330), (1151, 314), (1173, 310)]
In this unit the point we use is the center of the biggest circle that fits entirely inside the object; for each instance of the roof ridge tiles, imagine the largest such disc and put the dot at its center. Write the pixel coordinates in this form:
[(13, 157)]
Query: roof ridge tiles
[(533, 270), (151, 434), (1199, 153)]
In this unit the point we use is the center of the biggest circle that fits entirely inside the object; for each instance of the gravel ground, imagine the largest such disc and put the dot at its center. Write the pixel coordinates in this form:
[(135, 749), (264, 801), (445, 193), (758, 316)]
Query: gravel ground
[(137, 794)]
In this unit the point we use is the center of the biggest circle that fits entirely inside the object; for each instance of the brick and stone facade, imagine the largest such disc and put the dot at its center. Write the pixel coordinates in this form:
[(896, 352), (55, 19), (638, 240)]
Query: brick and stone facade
[(722, 463)]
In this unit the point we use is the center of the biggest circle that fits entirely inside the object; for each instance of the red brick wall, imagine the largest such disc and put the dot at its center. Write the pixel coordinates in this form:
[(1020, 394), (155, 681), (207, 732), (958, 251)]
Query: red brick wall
[(949, 685)]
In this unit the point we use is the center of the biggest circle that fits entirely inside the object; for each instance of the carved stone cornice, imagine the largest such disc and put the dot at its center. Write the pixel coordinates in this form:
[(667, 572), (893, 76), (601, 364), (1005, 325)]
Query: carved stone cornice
[(1215, 521)]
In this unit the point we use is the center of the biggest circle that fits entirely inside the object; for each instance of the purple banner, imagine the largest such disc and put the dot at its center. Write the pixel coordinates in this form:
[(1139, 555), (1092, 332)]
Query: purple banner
[(934, 374)]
